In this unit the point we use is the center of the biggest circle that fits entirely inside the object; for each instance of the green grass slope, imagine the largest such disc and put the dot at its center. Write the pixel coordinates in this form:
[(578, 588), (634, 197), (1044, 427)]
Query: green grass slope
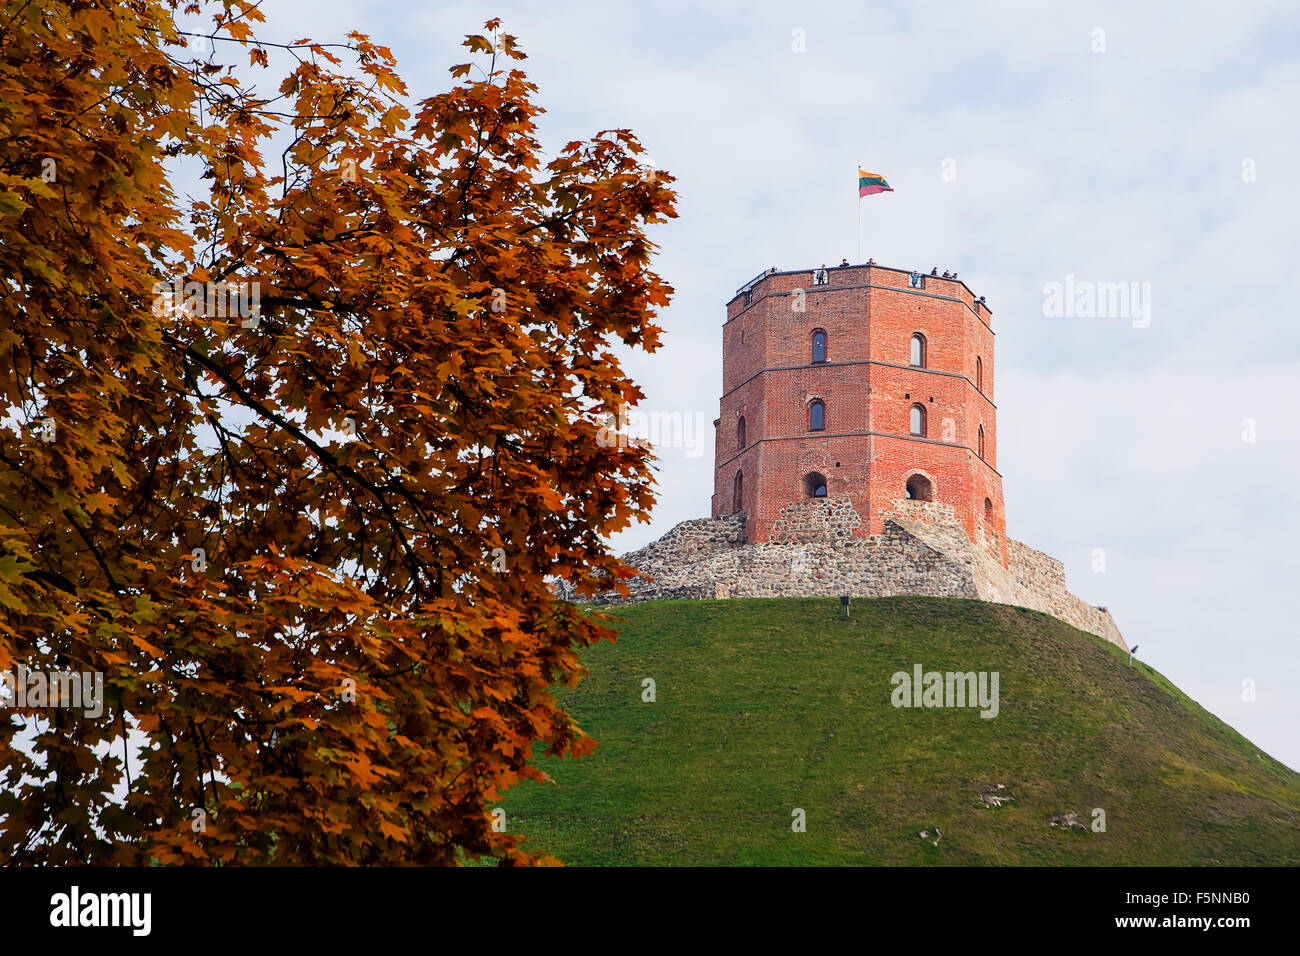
[(767, 706)]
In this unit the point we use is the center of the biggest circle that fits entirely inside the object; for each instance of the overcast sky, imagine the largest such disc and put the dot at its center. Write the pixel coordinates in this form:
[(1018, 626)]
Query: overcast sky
[(1156, 146)]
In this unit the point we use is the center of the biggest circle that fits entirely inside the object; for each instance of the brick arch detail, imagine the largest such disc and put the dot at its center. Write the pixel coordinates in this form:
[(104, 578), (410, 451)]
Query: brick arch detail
[(819, 461), (907, 475)]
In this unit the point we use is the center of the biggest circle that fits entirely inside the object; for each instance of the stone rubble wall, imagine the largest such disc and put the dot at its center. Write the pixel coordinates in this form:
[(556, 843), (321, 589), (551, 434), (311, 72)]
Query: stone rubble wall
[(1040, 574), (921, 512), (815, 519), (922, 552)]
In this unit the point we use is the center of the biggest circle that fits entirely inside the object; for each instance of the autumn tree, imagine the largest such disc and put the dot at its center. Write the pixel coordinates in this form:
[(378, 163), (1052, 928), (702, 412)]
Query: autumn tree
[(289, 453)]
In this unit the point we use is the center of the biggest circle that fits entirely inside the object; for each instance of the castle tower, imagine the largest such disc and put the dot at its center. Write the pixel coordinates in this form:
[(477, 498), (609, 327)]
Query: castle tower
[(856, 394)]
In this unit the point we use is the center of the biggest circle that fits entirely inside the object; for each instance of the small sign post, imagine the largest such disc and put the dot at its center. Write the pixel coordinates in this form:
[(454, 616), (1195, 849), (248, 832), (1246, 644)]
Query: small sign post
[(844, 599)]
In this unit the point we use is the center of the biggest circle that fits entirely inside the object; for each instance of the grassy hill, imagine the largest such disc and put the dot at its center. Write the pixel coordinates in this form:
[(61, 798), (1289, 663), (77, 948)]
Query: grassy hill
[(765, 706)]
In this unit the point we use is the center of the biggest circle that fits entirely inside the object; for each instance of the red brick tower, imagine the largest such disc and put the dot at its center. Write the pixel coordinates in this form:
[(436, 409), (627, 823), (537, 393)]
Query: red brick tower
[(854, 394)]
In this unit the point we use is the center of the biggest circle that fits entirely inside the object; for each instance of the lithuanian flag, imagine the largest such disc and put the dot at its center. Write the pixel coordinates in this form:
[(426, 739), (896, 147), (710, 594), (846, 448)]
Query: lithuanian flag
[(869, 183)]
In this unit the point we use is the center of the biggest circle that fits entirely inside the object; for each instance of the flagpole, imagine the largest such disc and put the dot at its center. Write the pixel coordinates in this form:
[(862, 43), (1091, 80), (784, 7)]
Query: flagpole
[(859, 222)]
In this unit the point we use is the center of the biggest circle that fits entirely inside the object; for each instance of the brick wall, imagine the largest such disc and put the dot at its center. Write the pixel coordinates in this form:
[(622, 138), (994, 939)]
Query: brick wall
[(868, 387)]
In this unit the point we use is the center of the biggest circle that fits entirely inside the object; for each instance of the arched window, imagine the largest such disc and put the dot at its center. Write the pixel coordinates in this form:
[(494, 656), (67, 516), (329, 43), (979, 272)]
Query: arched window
[(979, 373), (814, 485), (919, 488), (988, 511), (980, 441), (738, 492), (740, 432), (918, 350), (918, 420), (816, 416), (819, 346)]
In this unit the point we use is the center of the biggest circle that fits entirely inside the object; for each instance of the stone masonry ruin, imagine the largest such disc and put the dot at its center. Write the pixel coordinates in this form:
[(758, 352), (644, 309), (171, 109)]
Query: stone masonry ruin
[(922, 551)]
